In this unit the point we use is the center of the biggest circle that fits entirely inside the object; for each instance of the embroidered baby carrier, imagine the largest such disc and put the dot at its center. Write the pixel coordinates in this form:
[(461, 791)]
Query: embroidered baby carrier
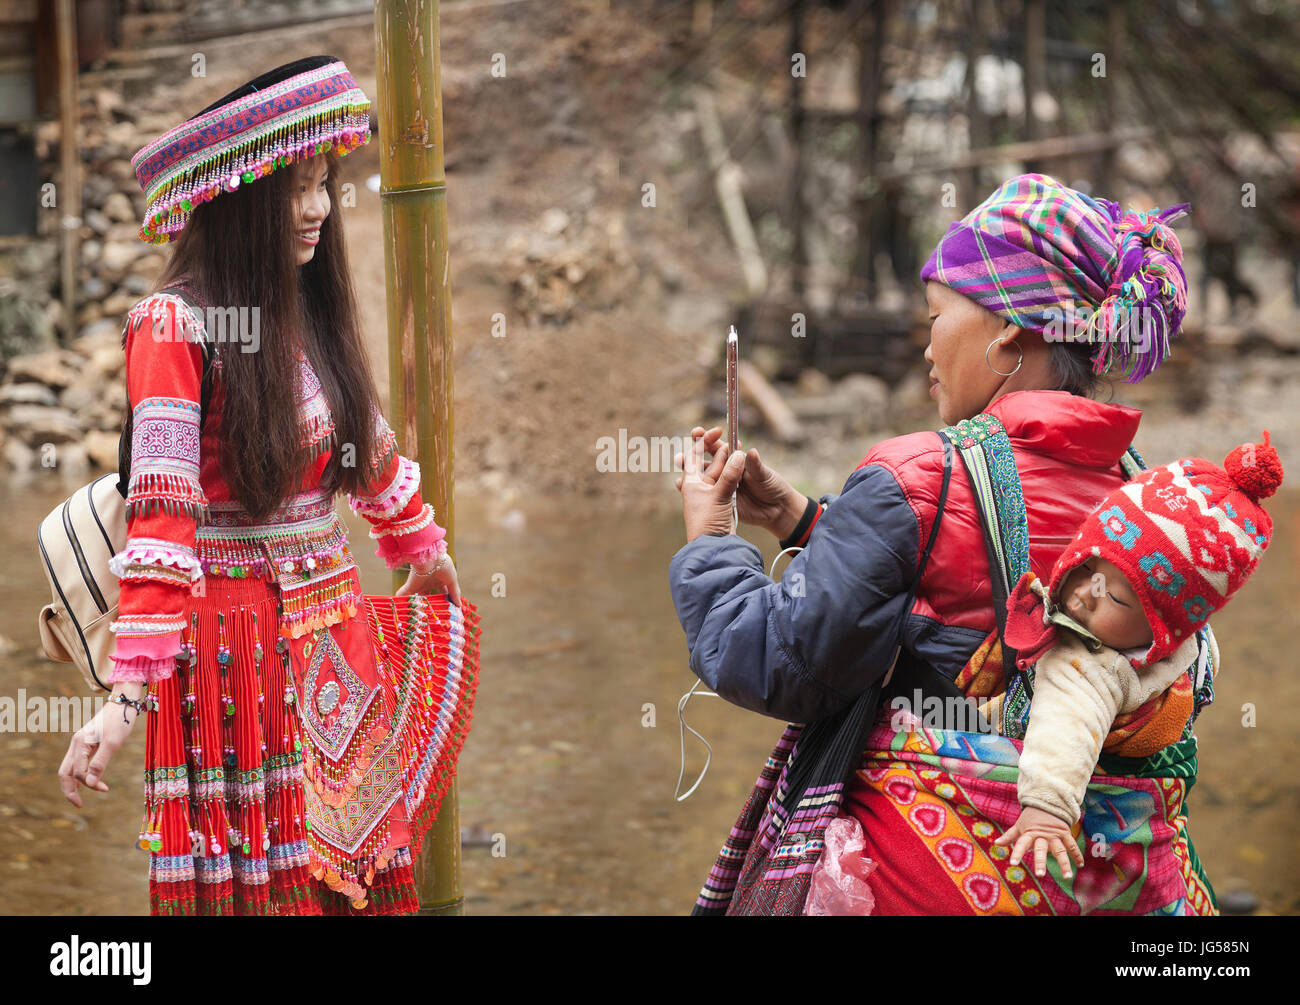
[(946, 795)]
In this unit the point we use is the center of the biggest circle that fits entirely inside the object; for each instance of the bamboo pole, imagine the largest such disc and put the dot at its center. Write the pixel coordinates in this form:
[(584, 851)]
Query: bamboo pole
[(413, 197), (69, 195), (1035, 76)]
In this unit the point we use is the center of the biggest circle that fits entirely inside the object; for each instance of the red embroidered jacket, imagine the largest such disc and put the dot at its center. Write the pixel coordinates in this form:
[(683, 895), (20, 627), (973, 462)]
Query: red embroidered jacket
[(183, 525)]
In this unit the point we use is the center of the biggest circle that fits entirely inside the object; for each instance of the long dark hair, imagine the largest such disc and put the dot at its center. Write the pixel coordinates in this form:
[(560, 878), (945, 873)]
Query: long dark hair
[(238, 251)]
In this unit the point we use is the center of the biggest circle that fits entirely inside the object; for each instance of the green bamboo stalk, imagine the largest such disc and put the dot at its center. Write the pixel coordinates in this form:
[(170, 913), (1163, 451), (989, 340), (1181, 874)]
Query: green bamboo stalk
[(413, 197)]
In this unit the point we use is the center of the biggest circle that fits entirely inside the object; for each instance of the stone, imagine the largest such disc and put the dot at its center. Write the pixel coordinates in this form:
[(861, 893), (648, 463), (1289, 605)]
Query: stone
[(118, 257), (27, 394), (106, 100), (93, 288), (38, 424), (128, 234), (123, 135), (54, 367), (118, 305), (89, 313), (554, 222), (101, 448), (119, 169), (96, 188), (40, 258), (72, 459), (106, 361), (96, 336), (79, 397), (117, 207), (135, 284), (813, 382), (18, 455), (870, 396), (96, 221), (1238, 901), (90, 252), (149, 264)]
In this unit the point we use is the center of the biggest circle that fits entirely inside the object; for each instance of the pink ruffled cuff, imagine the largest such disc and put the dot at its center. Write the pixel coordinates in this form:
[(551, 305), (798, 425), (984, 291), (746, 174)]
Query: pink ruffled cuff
[(391, 500), (398, 549), (143, 659)]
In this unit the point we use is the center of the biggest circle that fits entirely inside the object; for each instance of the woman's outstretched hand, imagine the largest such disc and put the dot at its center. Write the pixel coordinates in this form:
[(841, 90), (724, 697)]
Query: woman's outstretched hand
[(439, 580), (95, 743), (763, 499)]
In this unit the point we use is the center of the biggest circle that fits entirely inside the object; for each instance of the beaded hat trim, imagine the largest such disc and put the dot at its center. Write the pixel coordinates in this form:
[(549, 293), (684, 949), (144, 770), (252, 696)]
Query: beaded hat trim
[(247, 138)]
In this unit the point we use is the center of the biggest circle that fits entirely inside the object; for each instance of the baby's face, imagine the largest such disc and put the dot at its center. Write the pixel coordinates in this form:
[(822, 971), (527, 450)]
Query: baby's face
[(1098, 596)]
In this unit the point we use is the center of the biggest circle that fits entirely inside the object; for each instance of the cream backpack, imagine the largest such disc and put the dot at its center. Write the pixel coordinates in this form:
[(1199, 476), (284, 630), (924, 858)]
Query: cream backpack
[(76, 541)]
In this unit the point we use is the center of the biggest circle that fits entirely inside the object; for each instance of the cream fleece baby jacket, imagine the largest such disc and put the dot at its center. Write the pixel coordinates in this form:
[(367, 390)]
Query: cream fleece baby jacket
[(1077, 695)]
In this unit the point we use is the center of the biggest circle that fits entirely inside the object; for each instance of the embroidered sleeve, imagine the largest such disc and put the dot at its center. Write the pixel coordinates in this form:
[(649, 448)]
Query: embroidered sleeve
[(401, 522), (165, 501)]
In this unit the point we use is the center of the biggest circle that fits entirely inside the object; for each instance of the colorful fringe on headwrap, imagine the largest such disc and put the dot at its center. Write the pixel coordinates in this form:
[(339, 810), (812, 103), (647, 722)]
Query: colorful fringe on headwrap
[(1056, 261), (297, 110)]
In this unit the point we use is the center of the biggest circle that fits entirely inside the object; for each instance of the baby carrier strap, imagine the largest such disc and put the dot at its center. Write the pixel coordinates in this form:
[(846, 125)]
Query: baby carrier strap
[(990, 464), (205, 392)]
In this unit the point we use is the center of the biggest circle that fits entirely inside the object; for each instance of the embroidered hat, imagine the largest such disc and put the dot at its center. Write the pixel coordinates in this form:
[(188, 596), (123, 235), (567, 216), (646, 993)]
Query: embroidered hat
[(1056, 261), (1186, 536), (297, 110)]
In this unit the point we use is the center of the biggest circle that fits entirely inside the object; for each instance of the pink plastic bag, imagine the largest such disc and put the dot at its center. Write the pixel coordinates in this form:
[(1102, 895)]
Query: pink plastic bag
[(839, 879)]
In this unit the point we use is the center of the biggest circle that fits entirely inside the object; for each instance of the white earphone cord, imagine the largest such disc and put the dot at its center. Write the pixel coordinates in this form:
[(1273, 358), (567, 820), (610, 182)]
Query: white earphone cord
[(682, 702)]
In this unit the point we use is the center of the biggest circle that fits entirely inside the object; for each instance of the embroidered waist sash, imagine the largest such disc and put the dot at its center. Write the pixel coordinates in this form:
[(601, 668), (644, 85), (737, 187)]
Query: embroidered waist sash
[(302, 548)]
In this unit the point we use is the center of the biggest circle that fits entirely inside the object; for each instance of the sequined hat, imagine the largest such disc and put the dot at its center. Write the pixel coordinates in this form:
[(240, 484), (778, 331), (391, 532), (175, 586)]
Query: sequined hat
[(297, 110)]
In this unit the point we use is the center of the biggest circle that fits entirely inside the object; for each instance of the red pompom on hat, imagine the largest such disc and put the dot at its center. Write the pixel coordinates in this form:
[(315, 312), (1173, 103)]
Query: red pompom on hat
[(1186, 535), (1255, 469)]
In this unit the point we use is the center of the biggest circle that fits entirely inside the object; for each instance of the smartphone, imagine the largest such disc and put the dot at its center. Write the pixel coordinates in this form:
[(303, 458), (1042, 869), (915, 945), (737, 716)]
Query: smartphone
[(733, 392), (733, 410)]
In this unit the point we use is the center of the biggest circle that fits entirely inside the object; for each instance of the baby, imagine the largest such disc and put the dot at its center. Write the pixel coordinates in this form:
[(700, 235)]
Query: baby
[(1117, 624)]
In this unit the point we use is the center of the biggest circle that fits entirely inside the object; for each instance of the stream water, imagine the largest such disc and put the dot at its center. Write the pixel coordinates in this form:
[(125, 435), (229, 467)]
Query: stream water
[(573, 754)]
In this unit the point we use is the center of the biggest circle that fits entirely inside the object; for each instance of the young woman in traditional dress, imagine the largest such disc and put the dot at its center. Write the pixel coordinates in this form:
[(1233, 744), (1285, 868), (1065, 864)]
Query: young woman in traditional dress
[(300, 735)]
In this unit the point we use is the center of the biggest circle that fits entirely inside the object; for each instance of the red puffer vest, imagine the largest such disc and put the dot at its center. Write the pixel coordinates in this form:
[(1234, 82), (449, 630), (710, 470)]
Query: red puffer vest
[(1067, 451)]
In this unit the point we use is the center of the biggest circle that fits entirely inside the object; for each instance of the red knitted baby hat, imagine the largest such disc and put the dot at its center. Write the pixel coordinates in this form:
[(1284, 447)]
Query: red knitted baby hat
[(1186, 536)]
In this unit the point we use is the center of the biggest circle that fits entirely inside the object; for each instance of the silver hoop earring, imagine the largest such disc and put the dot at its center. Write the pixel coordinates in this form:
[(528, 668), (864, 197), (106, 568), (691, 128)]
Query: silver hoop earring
[(1019, 362)]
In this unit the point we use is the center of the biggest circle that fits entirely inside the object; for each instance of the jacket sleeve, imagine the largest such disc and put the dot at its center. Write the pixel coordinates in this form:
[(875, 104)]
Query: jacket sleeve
[(165, 502), (807, 646), (1076, 697), (400, 521)]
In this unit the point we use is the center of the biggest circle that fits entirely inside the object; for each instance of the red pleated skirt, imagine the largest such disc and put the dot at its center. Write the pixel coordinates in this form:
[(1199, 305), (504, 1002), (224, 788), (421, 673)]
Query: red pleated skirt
[(251, 743)]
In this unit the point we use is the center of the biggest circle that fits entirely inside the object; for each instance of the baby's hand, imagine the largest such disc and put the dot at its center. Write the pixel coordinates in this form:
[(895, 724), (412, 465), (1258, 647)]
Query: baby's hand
[(1045, 832)]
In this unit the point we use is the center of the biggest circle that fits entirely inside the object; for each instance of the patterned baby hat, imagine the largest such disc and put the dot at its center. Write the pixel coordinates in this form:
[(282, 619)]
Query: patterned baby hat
[(1186, 535)]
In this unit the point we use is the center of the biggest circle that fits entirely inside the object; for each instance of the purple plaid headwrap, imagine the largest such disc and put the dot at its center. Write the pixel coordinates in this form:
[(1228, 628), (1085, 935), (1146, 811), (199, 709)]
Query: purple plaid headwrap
[(1056, 261)]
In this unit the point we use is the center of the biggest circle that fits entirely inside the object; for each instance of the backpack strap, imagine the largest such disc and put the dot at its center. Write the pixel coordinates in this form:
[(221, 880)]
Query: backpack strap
[(205, 391)]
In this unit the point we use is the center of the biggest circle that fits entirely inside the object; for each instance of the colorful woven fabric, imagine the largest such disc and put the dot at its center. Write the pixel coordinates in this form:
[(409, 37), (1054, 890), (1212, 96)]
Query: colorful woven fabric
[(1186, 535), (297, 110), (932, 803), (1056, 261)]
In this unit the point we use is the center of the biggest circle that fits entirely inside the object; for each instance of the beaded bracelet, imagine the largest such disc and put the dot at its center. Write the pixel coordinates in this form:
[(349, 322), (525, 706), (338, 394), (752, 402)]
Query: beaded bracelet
[(446, 557)]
